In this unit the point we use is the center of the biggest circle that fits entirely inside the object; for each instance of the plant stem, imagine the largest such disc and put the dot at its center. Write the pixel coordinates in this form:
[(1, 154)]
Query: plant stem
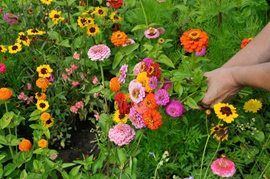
[(264, 170), (206, 143), (212, 160), (103, 84), (146, 22), (9, 130)]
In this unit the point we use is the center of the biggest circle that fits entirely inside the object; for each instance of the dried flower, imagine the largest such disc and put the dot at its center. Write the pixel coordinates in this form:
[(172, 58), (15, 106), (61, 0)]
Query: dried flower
[(121, 134), (99, 52), (5, 93), (25, 145)]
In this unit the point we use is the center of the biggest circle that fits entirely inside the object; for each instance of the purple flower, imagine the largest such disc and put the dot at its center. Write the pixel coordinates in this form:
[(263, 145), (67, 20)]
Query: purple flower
[(99, 52), (136, 118), (162, 97), (123, 73), (137, 68), (128, 42), (136, 91), (11, 18), (121, 134), (51, 78), (151, 33), (2, 68), (153, 82), (201, 53), (147, 62), (174, 108), (167, 84)]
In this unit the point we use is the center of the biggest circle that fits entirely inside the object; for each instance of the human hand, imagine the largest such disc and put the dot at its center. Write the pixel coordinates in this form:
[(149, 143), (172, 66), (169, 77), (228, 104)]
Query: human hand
[(221, 86)]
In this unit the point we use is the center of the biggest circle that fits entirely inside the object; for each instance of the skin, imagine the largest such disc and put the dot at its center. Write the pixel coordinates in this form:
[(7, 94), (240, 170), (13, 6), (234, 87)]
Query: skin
[(249, 67)]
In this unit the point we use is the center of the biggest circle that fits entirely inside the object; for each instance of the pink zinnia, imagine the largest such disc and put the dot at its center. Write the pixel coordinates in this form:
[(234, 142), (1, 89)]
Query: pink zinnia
[(162, 97), (121, 134), (167, 84), (128, 42), (76, 56), (74, 109), (11, 18), (99, 52), (175, 108), (201, 53), (2, 68), (223, 167), (151, 33)]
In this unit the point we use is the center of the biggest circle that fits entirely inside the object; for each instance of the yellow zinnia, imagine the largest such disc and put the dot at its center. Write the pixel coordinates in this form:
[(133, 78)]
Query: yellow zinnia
[(225, 111), (42, 143), (253, 105), (120, 118), (17, 47)]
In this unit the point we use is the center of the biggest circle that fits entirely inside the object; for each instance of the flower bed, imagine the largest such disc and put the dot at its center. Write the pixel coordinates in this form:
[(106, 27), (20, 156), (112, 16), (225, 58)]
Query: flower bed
[(134, 69)]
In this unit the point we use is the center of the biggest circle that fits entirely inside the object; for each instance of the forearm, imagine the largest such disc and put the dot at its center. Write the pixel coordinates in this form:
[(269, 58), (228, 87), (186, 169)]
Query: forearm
[(257, 76), (256, 52)]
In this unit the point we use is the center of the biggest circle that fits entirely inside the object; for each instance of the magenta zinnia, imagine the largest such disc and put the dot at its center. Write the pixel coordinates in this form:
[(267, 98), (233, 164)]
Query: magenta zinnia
[(174, 108)]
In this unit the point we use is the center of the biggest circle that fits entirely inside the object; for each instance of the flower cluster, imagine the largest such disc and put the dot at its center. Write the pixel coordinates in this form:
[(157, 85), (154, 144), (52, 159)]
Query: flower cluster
[(140, 105)]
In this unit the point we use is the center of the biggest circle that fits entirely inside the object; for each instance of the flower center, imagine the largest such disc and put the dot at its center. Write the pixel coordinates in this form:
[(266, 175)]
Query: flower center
[(119, 35), (151, 31), (226, 111), (151, 70), (34, 31), (43, 70), (92, 29), (97, 49), (23, 37), (194, 35), (15, 47), (223, 163), (135, 93), (42, 105), (56, 16)]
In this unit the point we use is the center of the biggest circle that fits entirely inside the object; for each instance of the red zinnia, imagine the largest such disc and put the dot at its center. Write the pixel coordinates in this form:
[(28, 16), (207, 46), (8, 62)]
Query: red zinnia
[(154, 70), (245, 41), (115, 3), (152, 119)]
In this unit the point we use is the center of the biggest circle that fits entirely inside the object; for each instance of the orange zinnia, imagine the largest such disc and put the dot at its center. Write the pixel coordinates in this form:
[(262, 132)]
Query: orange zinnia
[(42, 83), (42, 143), (152, 119), (45, 116), (245, 41), (114, 84), (5, 93), (194, 40), (25, 145), (119, 38), (150, 101)]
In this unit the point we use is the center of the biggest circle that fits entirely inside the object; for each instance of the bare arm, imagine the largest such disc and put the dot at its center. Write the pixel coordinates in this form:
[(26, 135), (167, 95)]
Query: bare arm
[(257, 51)]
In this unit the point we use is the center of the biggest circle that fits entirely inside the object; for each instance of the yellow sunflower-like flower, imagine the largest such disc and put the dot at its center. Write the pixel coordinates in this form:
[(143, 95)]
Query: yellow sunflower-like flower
[(40, 96), (90, 12), (42, 143), (42, 105), (35, 32), (3, 49), (225, 111), (48, 123), (23, 39), (115, 18), (47, 2), (100, 11), (92, 29), (44, 71), (120, 118), (220, 132), (56, 16), (17, 47), (252, 105), (85, 21)]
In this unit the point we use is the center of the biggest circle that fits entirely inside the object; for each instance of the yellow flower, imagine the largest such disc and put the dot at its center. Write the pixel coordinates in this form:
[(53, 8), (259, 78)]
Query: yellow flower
[(3, 49), (48, 123), (55, 16), (115, 18), (23, 39), (42, 105), (15, 48), (90, 12), (253, 105), (92, 29), (221, 133), (47, 2), (40, 96), (100, 11), (120, 118), (85, 21), (42, 143), (225, 111), (35, 32), (44, 71), (143, 79)]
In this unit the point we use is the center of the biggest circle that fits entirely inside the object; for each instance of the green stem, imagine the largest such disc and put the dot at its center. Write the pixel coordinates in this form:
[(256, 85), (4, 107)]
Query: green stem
[(146, 22), (103, 84), (206, 143), (9, 130), (193, 58), (212, 159), (264, 170)]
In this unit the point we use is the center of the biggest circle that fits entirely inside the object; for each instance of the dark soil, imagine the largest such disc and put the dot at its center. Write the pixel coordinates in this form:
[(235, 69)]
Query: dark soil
[(81, 143)]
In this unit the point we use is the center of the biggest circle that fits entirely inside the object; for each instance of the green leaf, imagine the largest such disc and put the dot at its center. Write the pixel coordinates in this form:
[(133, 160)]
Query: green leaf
[(9, 168), (259, 136), (165, 60), (96, 89), (35, 113), (138, 27), (75, 170), (55, 35), (127, 50), (121, 156), (77, 43), (117, 59), (66, 165), (64, 43), (36, 126), (192, 103), (5, 120)]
